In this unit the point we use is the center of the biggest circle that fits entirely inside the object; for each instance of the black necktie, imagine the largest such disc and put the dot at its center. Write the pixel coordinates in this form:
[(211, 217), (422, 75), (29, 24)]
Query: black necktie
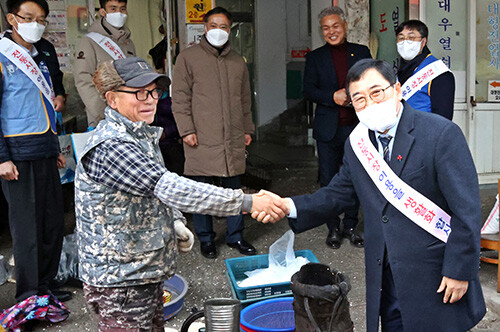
[(385, 145)]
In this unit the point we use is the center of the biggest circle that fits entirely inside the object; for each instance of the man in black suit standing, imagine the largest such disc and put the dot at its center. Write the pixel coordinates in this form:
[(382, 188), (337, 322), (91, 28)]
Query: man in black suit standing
[(324, 84)]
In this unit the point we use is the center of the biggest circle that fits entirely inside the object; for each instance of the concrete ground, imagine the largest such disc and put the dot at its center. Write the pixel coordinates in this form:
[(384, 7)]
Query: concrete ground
[(293, 171)]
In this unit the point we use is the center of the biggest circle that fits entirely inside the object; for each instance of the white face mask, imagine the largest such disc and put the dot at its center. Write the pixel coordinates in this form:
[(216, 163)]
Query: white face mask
[(217, 37), (116, 19), (380, 116), (409, 49), (30, 32)]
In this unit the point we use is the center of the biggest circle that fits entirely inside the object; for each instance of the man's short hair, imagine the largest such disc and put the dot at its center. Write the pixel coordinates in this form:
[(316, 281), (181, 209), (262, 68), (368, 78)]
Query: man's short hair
[(362, 66), (218, 10), (13, 5), (333, 10), (414, 25), (104, 2), (106, 78)]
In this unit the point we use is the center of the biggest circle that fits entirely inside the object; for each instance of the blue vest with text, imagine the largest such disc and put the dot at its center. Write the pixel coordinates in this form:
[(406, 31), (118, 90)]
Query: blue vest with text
[(24, 109), (421, 100)]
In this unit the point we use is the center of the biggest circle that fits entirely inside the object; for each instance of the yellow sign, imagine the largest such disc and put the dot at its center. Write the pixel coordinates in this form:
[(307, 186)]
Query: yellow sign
[(196, 10)]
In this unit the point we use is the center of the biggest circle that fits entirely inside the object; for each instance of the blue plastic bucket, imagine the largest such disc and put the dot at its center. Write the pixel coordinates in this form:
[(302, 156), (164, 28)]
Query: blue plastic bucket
[(269, 316), (177, 286)]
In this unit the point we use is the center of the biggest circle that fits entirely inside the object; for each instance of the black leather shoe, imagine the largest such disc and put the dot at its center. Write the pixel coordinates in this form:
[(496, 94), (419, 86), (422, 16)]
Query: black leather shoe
[(208, 249), (355, 239), (243, 247), (333, 240), (62, 295)]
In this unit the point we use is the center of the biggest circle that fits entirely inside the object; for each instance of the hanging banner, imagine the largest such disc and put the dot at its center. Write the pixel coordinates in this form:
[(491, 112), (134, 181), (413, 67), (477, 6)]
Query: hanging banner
[(196, 10), (385, 16)]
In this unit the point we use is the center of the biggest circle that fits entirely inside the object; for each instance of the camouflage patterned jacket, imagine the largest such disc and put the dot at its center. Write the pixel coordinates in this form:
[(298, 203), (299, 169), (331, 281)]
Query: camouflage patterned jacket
[(123, 239)]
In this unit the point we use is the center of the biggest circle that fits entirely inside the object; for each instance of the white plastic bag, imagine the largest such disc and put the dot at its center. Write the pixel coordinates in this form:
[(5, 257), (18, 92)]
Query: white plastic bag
[(282, 264), (491, 224)]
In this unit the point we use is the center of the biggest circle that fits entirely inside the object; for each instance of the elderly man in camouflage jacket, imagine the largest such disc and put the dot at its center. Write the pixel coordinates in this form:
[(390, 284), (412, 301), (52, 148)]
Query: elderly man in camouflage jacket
[(127, 203)]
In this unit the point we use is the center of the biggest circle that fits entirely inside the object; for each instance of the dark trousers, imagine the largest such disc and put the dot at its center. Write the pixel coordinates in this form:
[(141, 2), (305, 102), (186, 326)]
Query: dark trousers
[(173, 156), (330, 156), (390, 314), (4, 211), (203, 225), (36, 219)]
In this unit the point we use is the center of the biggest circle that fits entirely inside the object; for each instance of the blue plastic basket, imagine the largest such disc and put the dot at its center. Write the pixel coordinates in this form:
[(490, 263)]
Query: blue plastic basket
[(237, 267), (269, 315), (245, 303), (177, 286)]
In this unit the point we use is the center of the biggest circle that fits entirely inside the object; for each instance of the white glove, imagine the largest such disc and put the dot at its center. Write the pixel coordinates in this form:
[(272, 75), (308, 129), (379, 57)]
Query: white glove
[(185, 238)]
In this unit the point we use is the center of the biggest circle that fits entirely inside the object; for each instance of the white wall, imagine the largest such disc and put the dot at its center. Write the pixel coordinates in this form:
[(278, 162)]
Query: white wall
[(270, 64), (297, 27), (316, 7)]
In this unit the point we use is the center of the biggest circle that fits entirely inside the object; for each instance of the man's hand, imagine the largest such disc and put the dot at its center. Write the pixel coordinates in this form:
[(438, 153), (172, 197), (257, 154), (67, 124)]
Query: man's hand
[(59, 102), (190, 139), (61, 161), (340, 97), (8, 171), (185, 238), (268, 207), (454, 289), (248, 139)]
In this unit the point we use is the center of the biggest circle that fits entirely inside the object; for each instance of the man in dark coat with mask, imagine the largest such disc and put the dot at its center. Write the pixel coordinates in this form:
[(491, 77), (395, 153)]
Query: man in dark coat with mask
[(416, 181)]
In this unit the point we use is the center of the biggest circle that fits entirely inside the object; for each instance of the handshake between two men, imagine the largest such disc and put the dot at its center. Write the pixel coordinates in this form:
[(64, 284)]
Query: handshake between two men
[(269, 207)]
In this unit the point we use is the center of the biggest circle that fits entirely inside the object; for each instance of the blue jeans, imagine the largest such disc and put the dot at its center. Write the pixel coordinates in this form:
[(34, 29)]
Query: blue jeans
[(203, 225)]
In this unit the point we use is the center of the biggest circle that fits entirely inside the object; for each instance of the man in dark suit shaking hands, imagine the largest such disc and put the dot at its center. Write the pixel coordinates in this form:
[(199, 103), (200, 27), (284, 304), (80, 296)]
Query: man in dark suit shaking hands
[(417, 183), (324, 84)]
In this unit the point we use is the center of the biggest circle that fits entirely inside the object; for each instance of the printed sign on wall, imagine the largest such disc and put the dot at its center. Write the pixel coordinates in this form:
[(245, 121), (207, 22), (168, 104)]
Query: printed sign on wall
[(196, 10), (494, 90)]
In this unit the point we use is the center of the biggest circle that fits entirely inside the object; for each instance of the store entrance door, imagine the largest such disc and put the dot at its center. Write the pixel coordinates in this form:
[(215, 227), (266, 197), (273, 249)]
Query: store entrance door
[(465, 35)]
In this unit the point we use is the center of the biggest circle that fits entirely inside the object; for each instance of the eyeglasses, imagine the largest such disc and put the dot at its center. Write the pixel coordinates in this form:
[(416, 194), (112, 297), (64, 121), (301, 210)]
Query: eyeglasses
[(377, 95), (30, 20), (142, 95), (401, 38)]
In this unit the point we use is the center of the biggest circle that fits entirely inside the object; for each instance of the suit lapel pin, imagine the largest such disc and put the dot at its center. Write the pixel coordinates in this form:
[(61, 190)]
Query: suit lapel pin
[(400, 158)]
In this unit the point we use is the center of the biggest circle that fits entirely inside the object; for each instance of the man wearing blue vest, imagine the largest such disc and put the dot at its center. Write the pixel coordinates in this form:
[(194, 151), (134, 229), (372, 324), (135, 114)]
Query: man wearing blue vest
[(416, 62), (29, 147)]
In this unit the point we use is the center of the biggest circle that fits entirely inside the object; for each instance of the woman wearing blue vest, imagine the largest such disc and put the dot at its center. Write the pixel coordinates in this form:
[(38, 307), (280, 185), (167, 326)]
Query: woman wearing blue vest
[(416, 62)]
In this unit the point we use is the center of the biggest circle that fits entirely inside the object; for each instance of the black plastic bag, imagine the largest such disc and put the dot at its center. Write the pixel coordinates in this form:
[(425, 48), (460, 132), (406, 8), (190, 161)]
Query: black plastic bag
[(68, 265)]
